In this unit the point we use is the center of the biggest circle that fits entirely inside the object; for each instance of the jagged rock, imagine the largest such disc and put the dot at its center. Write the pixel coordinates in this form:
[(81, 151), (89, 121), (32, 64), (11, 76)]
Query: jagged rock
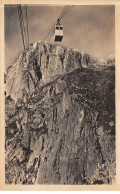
[(64, 129), (41, 64)]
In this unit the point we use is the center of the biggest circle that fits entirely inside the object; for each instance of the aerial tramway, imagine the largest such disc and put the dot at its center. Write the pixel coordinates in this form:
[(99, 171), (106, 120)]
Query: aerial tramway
[(56, 30)]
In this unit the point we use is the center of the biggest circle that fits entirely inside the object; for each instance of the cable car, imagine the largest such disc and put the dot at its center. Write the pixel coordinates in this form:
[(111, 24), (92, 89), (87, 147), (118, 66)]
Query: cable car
[(58, 36)]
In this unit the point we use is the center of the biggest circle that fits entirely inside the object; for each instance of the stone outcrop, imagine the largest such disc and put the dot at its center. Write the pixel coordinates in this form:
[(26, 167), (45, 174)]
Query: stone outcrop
[(61, 129), (42, 63)]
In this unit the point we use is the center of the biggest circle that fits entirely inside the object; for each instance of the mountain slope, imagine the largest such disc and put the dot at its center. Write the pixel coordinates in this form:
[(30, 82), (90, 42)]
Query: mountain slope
[(65, 132)]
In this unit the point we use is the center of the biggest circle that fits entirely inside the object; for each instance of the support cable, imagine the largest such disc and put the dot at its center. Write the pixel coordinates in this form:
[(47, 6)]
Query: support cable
[(21, 26), (26, 17), (67, 11)]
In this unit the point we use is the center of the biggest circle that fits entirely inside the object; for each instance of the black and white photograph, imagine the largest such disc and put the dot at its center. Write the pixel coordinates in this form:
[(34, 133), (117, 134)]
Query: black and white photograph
[(59, 81)]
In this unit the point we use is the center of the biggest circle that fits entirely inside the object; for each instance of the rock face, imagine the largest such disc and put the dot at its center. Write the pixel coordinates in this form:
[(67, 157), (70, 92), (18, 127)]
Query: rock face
[(61, 130), (38, 66)]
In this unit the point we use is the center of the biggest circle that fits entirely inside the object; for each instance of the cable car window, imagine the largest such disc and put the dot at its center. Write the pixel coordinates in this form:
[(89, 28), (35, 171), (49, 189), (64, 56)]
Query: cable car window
[(57, 28), (61, 28)]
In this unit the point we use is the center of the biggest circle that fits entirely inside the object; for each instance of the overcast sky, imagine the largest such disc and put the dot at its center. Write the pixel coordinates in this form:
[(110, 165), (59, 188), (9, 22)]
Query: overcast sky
[(89, 28)]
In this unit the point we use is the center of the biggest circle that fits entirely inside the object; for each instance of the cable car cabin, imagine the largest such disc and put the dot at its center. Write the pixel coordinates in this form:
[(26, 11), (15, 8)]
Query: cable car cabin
[(58, 33)]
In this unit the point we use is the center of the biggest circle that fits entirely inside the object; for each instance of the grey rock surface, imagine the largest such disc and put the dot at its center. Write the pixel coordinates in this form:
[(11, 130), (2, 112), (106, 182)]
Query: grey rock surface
[(60, 129)]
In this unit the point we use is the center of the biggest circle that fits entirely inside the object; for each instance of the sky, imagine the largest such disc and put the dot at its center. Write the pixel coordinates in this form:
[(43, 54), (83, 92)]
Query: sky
[(89, 28)]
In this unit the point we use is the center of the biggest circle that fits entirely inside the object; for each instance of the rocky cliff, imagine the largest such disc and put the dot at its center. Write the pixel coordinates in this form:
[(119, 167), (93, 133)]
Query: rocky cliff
[(42, 63), (60, 118)]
